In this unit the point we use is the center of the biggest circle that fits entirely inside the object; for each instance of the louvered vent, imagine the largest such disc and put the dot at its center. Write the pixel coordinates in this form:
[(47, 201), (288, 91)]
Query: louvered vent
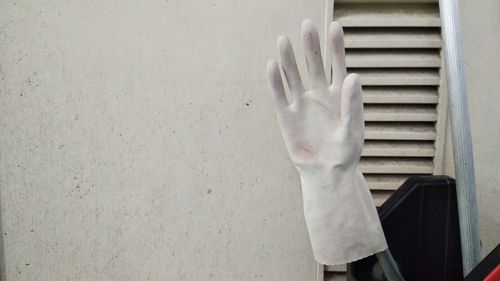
[(395, 46)]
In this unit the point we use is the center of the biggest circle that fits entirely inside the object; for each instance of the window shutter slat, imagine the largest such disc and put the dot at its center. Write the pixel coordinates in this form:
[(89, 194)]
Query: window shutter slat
[(398, 76), (396, 165), (400, 95), (392, 37), (388, 58), (399, 131), (378, 182), (387, 14), (398, 148), (407, 113)]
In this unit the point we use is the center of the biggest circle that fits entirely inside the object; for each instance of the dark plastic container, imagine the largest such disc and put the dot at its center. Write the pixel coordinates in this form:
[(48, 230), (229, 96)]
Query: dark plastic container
[(420, 222)]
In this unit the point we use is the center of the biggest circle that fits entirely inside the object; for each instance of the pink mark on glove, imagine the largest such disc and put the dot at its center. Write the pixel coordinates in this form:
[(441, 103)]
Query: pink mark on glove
[(337, 50), (305, 150)]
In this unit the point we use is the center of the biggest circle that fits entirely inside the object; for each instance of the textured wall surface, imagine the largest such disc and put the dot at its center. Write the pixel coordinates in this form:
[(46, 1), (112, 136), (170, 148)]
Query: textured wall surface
[(138, 141)]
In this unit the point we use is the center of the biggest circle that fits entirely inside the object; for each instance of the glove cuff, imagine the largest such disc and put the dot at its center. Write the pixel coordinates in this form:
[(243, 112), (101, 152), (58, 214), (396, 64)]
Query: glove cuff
[(341, 217)]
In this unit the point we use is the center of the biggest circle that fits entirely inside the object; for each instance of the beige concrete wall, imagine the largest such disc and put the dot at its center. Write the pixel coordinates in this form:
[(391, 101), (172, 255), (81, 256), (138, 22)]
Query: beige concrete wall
[(138, 142)]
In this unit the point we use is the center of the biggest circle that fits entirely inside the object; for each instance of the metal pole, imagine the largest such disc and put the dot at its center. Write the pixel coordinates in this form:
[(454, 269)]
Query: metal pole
[(461, 136)]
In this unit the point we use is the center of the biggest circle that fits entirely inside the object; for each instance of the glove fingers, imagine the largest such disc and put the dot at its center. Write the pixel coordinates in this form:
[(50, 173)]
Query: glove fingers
[(352, 104), (290, 68), (337, 53), (276, 84), (312, 52)]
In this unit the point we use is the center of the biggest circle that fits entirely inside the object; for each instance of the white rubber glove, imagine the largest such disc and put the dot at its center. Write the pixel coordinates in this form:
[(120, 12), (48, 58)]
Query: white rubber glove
[(323, 129)]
